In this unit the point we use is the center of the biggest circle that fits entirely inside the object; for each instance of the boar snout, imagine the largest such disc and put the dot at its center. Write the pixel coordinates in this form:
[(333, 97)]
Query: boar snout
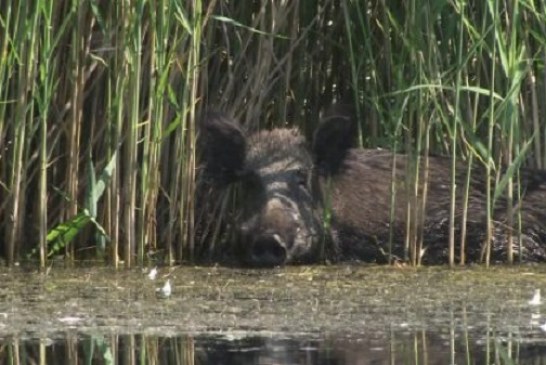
[(268, 250), (270, 236)]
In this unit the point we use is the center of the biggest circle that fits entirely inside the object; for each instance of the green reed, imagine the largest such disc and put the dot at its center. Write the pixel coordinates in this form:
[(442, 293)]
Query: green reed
[(128, 80), (457, 53)]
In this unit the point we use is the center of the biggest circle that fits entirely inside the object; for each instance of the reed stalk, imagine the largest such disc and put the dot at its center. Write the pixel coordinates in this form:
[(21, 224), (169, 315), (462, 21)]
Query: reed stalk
[(455, 127), (45, 91), (128, 80)]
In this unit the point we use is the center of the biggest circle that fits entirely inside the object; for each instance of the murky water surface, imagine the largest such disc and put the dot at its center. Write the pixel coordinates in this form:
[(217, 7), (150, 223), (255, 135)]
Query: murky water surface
[(348, 314)]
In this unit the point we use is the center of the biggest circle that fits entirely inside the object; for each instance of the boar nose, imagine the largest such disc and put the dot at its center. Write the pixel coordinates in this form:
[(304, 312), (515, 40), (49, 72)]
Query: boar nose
[(268, 250)]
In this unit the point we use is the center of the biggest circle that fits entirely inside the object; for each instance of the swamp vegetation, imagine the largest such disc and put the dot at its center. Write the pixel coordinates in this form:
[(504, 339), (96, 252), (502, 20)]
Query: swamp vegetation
[(99, 103), (347, 314)]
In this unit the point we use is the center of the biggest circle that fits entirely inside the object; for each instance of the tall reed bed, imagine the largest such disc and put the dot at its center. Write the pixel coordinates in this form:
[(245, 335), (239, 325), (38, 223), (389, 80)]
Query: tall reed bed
[(457, 79), (99, 102)]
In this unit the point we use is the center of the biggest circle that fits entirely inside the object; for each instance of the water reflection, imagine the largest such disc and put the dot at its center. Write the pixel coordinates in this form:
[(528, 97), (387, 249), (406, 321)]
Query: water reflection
[(238, 348)]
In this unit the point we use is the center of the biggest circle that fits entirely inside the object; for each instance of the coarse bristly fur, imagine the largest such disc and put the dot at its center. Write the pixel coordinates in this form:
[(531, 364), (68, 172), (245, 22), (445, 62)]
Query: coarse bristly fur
[(286, 186)]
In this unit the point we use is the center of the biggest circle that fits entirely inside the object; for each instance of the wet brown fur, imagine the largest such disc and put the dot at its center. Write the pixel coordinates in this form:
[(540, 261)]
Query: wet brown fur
[(361, 202), (285, 183)]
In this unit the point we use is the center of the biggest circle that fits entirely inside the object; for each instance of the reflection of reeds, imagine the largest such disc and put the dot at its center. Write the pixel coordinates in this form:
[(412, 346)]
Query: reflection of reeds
[(406, 347), (80, 79), (103, 349)]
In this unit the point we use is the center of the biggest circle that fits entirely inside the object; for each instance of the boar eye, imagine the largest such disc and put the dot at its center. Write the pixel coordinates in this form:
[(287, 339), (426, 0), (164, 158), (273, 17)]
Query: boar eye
[(252, 184), (302, 177)]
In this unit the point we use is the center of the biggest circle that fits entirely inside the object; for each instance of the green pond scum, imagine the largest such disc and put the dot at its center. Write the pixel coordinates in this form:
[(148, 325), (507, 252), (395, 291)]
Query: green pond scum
[(245, 316)]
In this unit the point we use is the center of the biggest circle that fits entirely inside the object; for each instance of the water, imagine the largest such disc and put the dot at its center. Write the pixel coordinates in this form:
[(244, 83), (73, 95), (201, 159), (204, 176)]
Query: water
[(346, 314)]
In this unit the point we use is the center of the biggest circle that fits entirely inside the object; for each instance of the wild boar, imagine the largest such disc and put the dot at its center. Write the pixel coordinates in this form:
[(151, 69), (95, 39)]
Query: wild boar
[(304, 202)]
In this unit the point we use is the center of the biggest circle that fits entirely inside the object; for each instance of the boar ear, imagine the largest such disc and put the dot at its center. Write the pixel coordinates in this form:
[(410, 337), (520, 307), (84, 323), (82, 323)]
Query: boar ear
[(335, 135), (224, 146)]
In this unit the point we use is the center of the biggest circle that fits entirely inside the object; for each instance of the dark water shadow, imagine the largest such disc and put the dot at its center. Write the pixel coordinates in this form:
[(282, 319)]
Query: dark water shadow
[(418, 347)]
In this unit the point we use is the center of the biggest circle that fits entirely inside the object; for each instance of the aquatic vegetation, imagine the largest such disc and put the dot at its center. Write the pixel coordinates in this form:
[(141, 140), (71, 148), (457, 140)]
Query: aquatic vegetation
[(132, 79)]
